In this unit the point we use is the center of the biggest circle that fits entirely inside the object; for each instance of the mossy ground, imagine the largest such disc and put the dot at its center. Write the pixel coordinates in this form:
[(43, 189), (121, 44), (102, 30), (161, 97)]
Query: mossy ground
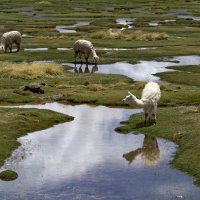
[(8, 175)]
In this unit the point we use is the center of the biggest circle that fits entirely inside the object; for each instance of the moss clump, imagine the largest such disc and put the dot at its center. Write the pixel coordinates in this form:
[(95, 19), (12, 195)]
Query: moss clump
[(8, 175)]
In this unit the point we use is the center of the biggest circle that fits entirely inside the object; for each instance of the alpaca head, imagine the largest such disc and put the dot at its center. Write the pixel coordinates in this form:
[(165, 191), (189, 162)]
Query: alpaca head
[(96, 59), (130, 99), (2, 48)]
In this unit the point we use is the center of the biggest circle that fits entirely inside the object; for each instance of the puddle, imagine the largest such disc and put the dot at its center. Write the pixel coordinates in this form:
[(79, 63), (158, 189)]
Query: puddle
[(64, 49), (126, 22), (26, 36), (70, 28), (153, 23), (196, 18), (86, 159), (144, 70), (112, 49), (35, 49), (156, 23), (146, 48)]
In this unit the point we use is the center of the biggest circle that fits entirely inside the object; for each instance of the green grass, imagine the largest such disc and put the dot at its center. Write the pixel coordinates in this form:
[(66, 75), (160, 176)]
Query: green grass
[(180, 125), (8, 175), (186, 75)]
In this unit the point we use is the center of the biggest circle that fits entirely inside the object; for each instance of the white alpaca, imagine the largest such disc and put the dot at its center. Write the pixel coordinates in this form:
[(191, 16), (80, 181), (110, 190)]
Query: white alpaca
[(8, 38), (150, 96), (85, 47)]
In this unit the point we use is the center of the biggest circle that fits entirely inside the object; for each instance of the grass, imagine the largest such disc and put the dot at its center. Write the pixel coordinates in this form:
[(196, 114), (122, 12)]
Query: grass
[(30, 70), (182, 128), (135, 35), (187, 75), (8, 175)]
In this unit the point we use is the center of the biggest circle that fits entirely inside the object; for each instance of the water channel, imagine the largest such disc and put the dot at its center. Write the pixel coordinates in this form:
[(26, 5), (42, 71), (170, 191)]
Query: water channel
[(86, 159), (142, 71)]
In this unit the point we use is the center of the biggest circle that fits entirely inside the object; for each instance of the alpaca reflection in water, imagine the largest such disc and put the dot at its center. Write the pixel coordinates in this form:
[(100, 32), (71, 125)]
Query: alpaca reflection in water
[(80, 69), (149, 152)]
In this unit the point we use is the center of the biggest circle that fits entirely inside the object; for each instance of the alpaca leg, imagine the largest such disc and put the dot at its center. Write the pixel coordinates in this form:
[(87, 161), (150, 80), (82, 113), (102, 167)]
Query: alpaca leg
[(75, 55), (18, 46), (80, 56)]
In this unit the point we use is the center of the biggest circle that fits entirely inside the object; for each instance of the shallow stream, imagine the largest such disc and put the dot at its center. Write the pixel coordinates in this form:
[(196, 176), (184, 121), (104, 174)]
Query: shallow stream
[(142, 71), (86, 159)]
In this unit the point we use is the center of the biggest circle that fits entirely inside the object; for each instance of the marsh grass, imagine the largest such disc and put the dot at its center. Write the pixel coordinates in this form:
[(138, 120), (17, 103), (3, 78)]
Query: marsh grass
[(135, 35), (30, 70)]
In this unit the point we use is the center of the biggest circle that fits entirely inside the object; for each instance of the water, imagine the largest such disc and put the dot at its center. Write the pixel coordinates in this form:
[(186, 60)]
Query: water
[(156, 23), (126, 22), (70, 28), (144, 70), (36, 49), (196, 18), (86, 159)]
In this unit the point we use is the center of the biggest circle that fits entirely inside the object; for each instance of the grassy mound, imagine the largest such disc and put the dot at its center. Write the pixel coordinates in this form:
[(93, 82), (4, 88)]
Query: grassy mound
[(8, 175)]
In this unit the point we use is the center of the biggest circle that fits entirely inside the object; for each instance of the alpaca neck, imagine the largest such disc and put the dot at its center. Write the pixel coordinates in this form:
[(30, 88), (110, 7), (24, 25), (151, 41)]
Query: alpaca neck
[(138, 102)]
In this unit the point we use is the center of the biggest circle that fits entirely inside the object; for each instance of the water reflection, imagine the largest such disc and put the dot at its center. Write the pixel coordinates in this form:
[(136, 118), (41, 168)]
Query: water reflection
[(145, 70), (126, 22), (82, 160), (85, 69), (149, 152)]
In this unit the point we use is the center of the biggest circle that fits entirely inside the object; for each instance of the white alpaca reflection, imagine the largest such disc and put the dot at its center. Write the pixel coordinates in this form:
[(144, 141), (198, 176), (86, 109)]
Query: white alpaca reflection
[(149, 152), (81, 69)]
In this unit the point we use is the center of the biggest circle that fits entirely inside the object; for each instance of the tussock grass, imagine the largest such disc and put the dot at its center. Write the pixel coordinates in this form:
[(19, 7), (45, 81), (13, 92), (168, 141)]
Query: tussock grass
[(45, 3), (119, 84), (95, 87), (135, 35), (146, 36), (33, 70)]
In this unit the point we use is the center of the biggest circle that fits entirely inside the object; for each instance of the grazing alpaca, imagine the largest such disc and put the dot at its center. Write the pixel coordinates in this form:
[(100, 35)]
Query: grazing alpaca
[(85, 47), (150, 96), (8, 38)]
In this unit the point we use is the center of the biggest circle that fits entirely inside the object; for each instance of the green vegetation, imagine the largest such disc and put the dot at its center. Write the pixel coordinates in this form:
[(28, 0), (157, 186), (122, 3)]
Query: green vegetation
[(187, 75), (8, 175)]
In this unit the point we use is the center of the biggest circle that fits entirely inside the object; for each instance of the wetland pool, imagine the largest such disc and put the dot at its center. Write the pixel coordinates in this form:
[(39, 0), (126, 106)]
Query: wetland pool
[(86, 159), (142, 71)]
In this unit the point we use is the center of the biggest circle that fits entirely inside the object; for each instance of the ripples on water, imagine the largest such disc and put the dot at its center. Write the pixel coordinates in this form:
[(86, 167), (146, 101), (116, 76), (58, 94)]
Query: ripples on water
[(86, 159)]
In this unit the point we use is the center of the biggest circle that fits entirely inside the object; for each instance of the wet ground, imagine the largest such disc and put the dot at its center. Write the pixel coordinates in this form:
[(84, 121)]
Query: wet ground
[(87, 159)]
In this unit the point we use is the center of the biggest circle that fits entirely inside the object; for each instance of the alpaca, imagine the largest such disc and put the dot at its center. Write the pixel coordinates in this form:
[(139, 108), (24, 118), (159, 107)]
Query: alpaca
[(8, 38), (85, 47), (150, 96)]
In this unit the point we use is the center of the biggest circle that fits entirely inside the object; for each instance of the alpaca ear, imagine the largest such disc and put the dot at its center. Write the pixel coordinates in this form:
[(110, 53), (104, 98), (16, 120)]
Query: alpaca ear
[(130, 93)]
